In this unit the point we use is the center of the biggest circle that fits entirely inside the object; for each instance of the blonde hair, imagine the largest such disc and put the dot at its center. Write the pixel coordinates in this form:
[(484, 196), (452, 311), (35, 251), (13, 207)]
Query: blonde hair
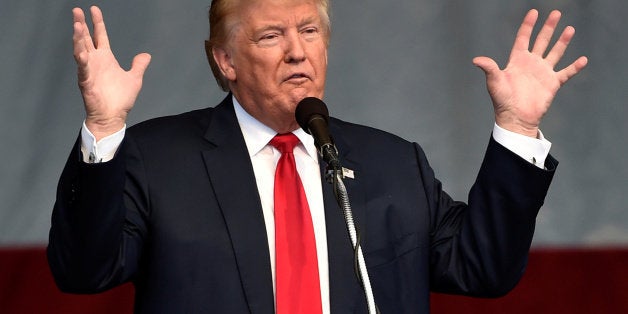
[(221, 28)]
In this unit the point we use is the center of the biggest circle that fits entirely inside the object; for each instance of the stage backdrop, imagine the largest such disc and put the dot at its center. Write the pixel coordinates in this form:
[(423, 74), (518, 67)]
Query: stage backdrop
[(403, 66)]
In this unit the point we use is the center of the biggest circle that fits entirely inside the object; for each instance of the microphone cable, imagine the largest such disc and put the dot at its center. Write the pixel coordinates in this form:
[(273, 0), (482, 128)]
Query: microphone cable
[(359, 265)]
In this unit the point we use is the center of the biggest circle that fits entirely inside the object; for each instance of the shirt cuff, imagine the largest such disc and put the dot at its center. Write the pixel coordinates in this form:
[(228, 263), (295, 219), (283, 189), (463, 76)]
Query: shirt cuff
[(534, 150), (103, 150)]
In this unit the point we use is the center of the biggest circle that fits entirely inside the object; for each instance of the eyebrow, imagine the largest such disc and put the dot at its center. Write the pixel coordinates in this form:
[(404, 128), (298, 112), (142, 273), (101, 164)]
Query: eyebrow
[(308, 20), (304, 21)]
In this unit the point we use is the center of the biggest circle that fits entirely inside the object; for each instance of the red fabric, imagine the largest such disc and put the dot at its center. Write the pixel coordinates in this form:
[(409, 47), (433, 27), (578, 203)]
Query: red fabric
[(27, 287), (297, 280), (574, 281), (557, 281)]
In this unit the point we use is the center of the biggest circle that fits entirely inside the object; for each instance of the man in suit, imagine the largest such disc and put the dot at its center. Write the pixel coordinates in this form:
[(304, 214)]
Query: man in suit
[(183, 206)]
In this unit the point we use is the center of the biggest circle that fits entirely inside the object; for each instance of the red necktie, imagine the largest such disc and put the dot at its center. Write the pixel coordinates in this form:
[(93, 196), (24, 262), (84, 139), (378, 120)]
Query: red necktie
[(297, 282)]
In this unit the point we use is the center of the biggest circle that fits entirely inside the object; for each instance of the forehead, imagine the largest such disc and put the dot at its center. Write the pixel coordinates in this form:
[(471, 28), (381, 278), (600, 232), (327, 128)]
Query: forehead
[(260, 12)]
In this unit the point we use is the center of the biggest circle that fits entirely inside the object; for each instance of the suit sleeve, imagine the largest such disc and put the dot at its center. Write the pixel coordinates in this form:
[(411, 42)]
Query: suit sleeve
[(98, 222), (481, 249)]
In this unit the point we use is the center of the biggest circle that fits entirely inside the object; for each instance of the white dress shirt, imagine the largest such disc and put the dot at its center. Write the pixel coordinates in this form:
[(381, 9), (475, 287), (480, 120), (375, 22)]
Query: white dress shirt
[(264, 158)]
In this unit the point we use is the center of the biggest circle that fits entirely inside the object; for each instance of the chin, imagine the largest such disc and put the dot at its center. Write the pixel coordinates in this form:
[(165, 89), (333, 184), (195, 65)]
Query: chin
[(299, 94)]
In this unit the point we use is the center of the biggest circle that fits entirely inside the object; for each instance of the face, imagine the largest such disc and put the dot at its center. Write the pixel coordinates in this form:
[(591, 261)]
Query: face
[(277, 55)]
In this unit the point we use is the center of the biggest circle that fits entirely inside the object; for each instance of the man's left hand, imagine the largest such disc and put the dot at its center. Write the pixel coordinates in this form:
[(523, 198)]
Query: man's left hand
[(523, 92)]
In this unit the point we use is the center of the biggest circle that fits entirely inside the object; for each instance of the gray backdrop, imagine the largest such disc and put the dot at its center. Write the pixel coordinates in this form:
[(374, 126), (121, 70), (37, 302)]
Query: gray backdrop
[(403, 66)]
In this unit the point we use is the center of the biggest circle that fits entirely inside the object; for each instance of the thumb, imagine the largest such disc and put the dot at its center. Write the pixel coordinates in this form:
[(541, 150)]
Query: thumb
[(488, 65), (140, 63)]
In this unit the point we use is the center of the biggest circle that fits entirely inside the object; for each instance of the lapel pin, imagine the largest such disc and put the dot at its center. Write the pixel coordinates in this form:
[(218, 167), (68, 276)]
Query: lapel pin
[(348, 173)]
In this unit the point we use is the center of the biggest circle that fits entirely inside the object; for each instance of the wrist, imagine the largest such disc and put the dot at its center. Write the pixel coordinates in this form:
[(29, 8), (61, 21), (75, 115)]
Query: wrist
[(527, 129), (102, 128)]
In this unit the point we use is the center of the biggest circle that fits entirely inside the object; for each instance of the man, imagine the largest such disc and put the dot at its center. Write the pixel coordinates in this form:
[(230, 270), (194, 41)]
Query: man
[(184, 206)]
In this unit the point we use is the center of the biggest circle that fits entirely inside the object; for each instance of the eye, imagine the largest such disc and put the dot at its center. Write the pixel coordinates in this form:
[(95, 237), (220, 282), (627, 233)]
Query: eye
[(310, 33), (268, 39), (269, 36)]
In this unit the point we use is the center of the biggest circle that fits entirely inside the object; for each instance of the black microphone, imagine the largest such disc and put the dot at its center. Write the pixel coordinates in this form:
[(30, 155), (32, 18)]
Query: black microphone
[(312, 115)]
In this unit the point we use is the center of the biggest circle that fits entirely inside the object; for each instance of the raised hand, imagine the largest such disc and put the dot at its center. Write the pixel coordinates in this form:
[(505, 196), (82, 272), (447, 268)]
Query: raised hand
[(108, 91), (523, 92)]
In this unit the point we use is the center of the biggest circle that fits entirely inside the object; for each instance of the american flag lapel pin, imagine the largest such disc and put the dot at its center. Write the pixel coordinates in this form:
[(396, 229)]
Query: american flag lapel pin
[(348, 173)]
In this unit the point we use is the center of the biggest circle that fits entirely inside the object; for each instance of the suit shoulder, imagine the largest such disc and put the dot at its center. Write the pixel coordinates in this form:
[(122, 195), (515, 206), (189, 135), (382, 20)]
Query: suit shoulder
[(353, 132), (195, 121)]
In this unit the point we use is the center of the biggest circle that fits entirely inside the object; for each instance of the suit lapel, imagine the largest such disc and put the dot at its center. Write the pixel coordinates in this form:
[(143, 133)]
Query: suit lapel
[(233, 180), (346, 295)]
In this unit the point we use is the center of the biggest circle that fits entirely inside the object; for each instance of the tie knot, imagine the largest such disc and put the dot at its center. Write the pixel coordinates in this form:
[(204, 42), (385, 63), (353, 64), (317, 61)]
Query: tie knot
[(285, 143)]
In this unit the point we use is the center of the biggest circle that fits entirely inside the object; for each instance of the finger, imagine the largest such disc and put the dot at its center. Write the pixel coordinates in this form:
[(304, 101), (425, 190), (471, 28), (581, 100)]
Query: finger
[(488, 65), (545, 35), (567, 73), (82, 41), (139, 64), (101, 40), (554, 55), (78, 15), (522, 39)]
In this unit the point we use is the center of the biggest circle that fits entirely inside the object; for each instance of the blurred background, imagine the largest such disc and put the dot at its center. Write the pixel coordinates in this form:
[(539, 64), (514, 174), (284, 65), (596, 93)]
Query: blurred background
[(403, 66)]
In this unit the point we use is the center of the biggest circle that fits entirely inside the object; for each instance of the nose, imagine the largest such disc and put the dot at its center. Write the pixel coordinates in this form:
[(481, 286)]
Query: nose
[(294, 50)]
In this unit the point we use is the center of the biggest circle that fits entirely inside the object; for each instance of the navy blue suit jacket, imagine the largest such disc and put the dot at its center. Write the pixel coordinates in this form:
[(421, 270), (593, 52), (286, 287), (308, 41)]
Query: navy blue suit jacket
[(177, 212)]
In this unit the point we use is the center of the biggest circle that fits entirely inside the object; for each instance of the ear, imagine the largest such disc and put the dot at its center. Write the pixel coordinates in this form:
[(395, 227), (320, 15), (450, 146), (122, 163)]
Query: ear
[(223, 60)]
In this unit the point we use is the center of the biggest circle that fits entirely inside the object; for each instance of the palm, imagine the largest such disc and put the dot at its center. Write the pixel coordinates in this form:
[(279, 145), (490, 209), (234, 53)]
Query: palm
[(523, 92)]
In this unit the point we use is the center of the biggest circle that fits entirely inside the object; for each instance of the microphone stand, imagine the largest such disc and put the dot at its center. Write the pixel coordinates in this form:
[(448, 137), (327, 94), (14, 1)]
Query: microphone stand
[(334, 176)]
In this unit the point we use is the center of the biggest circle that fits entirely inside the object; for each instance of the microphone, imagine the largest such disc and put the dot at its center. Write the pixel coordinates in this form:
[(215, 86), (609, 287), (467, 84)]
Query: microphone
[(313, 117)]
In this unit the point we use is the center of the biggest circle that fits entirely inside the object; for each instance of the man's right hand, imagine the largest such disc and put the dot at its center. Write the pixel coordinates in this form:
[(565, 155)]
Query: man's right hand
[(108, 91)]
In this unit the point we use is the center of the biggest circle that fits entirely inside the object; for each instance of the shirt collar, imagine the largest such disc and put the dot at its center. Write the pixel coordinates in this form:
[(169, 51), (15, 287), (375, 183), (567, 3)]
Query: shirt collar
[(257, 135)]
